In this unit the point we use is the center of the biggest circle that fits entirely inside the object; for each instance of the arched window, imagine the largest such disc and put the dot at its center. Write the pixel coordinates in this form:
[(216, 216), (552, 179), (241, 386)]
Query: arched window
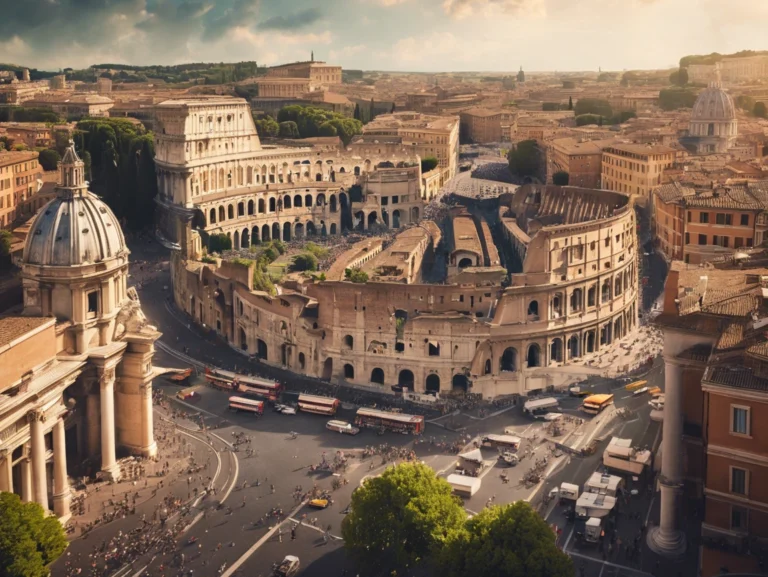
[(349, 371), (377, 376), (212, 218), (349, 342), (508, 362), (250, 207), (534, 355), (230, 211), (533, 310), (221, 214)]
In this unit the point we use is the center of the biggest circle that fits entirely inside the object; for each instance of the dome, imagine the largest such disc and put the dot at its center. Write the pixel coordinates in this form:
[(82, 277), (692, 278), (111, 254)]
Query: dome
[(713, 103), (76, 227)]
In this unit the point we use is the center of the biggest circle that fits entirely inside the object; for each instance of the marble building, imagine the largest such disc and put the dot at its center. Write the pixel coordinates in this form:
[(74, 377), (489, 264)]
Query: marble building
[(76, 392)]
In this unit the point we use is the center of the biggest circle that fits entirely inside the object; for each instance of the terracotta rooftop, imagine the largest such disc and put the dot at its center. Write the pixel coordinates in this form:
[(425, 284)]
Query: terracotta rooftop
[(14, 157), (465, 235), (12, 328), (734, 376), (642, 149)]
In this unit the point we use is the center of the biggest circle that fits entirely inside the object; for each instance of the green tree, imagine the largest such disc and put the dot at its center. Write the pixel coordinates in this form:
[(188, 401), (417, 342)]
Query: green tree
[(6, 241), (219, 243), (327, 129), (593, 106), (570, 103), (525, 159), (267, 127), (29, 539), (674, 98), (505, 541), (683, 77), (549, 106), (560, 178), (428, 163), (745, 102), (304, 261), (49, 159), (356, 275), (288, 129), (400, 518), (262, 282), (356, 114), (760, 110), (674, 77)]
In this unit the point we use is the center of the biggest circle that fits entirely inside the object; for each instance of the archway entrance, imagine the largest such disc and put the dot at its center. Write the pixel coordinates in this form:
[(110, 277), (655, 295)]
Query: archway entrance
[(405, 379), (534, 355), (573, 347), (287, 231), (509, 360), (460, 383), (433, 384), (396, 219), (556, 351), (377, 376), (465, 262), (328, 369), (243, 340), (261, 349), (349, 371), (373, 218)]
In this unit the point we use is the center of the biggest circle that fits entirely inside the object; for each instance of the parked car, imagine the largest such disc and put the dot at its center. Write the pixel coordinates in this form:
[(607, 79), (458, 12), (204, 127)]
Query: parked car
[(319, 503), (288, 567)]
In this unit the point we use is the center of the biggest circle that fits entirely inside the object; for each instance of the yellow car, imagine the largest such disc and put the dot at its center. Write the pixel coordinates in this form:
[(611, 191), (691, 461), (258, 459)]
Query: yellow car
[(318, 503)]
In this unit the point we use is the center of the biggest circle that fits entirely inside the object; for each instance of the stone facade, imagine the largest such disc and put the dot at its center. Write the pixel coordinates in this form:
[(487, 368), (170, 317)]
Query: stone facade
[(77, 365), (212, 168), (635, 168), (576, 294), (20, 174)]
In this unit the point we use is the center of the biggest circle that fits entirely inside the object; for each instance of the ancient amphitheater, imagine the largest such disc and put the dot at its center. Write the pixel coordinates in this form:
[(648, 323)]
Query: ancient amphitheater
[(506, 303)]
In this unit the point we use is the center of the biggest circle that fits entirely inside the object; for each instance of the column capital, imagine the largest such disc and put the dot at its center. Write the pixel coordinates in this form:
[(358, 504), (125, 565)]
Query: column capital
[(35, 416), (107, 377)]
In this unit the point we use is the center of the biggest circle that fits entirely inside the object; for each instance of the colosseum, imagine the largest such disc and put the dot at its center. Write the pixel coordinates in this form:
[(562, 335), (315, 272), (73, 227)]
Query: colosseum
[(434, 298)]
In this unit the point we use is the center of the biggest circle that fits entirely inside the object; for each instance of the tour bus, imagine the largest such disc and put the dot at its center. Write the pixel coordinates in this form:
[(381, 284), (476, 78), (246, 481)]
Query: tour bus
[(540, 407), (247, 405), (220, 379), (594, 404), (229, 381), (318, 405), (342, 427), (636, 385), (505, 442), (398, 422)]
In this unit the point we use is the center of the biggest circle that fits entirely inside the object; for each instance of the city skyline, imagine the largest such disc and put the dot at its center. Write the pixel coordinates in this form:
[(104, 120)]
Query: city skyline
[(396, 35)]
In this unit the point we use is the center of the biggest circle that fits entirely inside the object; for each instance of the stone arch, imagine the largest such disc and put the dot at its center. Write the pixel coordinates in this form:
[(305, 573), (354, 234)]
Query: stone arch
[(261, 206), (212, 216), (360, 217), (236, 241), (396, 219), (311, 230), (406, 378), (460, 382), (573, 347), (298, 231), (333, 203), (308, 200), (357, 171), (287, 201), (333, 228), (241, 209), (349, 342), (577, 300), (534, 355), (617, 286), (230, 211), (377, 376), (533, 309), (245, 240), (556, 350), (287, 231), (261, 350), (373, 218), (222, 215), (349, 371), (487, 367), (255, 237), (243, 339), (432, 384), (508, 361), (272, 203), (618, 326), (275, 231), (323, 229), (298, 202), (265, 236), (302, 361), (320, 200), (328, 369), (590, 344), (319, 177), (465, 262), (415, 214), (250, 207)]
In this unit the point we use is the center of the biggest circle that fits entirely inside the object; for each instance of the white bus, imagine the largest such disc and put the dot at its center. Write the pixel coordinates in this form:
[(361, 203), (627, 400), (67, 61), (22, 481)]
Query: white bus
[(540, 407), (247, 405)]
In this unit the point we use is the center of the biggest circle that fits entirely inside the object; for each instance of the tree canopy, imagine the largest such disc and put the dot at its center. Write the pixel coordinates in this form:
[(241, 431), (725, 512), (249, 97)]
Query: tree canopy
[(120, 162), (24, 114), (288, 129), (356, 275), (525, 159), (219, 242), (267, 127), (400, 518), (674, 98), (29, 539), (429, 163), (311, 121), (679, 77), (305, 261), (505, 541), (593, 106), (49, 159)]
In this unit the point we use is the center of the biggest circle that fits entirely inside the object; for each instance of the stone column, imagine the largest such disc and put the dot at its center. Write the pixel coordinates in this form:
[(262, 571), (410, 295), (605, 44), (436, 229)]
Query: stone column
[(94, 422), (147, 421), (61, 494), (26, 480), (6, 473), (108, 460), (667, 538), (40, 475)]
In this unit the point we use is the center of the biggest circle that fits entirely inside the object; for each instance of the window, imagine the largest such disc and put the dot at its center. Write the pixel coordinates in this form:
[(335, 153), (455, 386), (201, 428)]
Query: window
[(687, 238), (93, 304), (702, 239), (704, 217), (740, 424), (721, 218), (749, 242), (739, 520), (744, 220), (739, 481)]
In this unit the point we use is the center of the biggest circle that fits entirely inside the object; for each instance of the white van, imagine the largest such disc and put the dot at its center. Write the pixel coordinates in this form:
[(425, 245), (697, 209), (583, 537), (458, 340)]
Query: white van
[(538, 408), (342, 427)]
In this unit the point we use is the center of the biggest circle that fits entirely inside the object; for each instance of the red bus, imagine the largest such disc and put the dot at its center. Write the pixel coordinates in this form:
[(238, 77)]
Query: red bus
[(248, 405), (398, 422), (219, 379), (229, 381), (318, 405)]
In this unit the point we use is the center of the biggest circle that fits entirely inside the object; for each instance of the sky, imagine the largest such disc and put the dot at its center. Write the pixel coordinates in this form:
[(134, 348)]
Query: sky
[(401, 35)]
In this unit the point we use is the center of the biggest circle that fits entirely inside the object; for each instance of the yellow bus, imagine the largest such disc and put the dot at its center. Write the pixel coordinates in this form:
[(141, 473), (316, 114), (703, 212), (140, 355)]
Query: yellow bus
[(636, 385), (596, 403)]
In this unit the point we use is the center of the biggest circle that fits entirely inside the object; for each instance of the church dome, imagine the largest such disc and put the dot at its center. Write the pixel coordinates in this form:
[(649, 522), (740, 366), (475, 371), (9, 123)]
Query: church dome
[(76, 227), (714, 104)]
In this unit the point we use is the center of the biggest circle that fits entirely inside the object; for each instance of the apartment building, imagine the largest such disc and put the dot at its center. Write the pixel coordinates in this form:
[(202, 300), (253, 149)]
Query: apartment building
[(20, 177), (33, 134), (482, 125), (705, 225), (635, 168), (582, 160)]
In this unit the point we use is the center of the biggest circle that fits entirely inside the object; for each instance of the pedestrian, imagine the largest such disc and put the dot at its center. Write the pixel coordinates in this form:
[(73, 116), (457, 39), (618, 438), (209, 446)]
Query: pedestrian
[(280, 534)]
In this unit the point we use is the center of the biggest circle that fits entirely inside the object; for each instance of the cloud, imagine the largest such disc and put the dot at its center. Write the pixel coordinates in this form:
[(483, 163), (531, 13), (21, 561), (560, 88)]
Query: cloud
[(296, 20), (340, 55), (464, 8)]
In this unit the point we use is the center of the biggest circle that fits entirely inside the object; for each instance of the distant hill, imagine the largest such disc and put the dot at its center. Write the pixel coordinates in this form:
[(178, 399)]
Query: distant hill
[(205, 72), (34, 73), (717, 57)]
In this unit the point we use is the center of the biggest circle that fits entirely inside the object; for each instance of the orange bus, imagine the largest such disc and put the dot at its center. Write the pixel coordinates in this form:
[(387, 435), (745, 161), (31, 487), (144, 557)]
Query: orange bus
[(397, 422), (318, 405), (247, 405)]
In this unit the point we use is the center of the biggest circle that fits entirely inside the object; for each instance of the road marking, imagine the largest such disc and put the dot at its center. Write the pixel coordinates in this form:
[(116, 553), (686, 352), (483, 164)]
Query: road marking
[(604, 563), (318, 529), (255, 547), (230, 445), (234, 478), (197, 410), (648, 514), (568, 540), (601, 570)]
